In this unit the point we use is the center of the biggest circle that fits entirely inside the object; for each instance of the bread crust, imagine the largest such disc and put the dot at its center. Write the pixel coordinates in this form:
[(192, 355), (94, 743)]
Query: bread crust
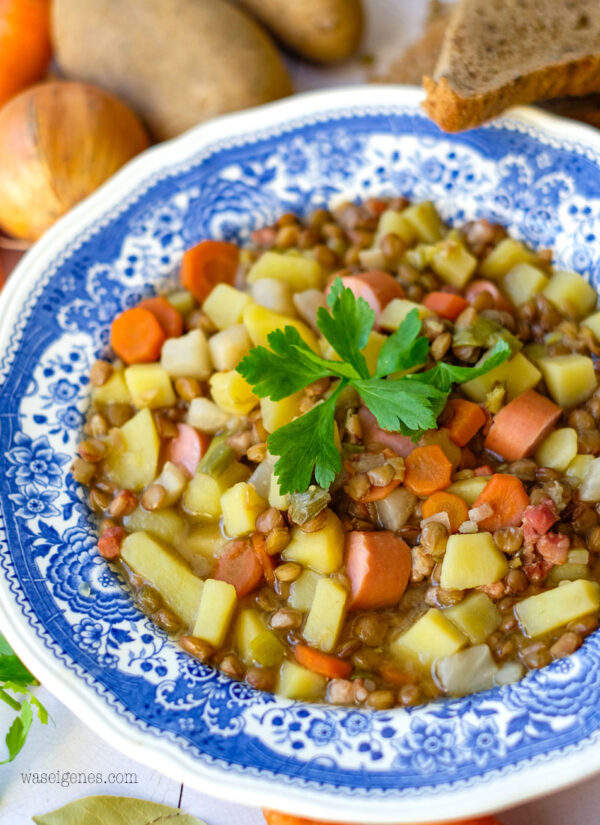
[(454, 112)]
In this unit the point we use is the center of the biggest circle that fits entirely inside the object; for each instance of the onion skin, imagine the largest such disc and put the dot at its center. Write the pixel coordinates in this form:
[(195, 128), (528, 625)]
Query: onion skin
[(58, 142)]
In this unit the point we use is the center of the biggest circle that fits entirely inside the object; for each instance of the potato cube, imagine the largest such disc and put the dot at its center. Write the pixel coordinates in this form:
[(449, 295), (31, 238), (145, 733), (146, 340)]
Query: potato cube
[(517, 375), (299, 273), (578, 467), (558, 449), (423, 217), (430, 637), (503, 257), (216, 611), (589, 488), (467, 671), (476, 616), (260, 322), (166, 524), (322, 550), (568, 289), (593, 322), (202, 499), (570, 378), (241, 505), (296, 682), (555, 608), (326, 615), (522, 282), (225, 305), (232, 393), (471, 560), (187, 356), (201, 547), (395, 223), (114, 391), (169, 574), (468, 489), (569, 571), (276, 414), (254, 642), (134, 467), (453, 263), (228, 347), (276, 499), (302, 591), (397, 310), (149, 386)]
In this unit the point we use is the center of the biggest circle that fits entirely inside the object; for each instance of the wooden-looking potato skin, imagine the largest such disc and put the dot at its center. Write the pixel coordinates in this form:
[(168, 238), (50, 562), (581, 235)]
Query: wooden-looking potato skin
[(326, 31), (176, 62)]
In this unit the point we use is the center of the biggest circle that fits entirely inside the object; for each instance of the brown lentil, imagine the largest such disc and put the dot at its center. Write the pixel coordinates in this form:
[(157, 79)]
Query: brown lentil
[(153, 497), (381, 699), (197, 648), (188, 388), (285, 619), (508, 539), (261, 678), (122, 504), (100, 372), (288, 572), (231, 666), (568, 643), (277, 540)]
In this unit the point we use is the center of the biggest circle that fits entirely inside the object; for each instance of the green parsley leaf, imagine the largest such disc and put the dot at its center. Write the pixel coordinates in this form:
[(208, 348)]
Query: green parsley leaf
[(401, 406), (403, 349), (307, 445), (444, 375), (15, 679), (347, 326)]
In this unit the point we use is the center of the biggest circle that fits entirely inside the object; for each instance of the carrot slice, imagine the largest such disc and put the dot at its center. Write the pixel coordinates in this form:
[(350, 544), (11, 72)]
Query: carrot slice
[(445, 304), (377, 493), (279, 818), (268, 565), (520, 426), (463, 419), (166, 315), (396, 676), (136, 336), (507, 497), (322, 663), (448, 503), (240, 566), (207, 264), (427, 470)]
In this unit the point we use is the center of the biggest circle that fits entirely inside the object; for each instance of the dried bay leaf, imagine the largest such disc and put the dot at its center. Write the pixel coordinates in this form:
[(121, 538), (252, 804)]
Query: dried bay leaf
[(115, 810)]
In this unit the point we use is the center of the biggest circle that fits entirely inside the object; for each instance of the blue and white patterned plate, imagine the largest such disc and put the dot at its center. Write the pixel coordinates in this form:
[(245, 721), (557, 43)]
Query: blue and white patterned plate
[(69, 616)]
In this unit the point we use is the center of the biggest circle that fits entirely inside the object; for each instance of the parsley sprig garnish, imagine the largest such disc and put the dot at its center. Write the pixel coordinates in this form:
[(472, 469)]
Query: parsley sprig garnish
[(409, 404), (15, 681)]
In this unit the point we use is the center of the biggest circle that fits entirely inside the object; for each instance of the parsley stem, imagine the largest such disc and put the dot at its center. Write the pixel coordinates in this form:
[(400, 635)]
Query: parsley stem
[(9, 700)]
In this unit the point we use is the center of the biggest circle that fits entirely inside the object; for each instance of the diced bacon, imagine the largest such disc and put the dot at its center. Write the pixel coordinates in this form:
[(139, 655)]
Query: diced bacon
[(554, 547), (538, 519), (484, 470), (537, 571), (109, 543)]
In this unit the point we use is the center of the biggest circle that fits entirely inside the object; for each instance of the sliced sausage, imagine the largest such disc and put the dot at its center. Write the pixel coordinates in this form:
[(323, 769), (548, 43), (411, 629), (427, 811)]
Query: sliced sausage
[(378, 565)]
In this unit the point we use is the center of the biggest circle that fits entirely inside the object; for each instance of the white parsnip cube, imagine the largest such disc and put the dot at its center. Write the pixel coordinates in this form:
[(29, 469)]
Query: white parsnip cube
[(273, 294), (228, 347), (187, 356), (205, 415), (174, 481)]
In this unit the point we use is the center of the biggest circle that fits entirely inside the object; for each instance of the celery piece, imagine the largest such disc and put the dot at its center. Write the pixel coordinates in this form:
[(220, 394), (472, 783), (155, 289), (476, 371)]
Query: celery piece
[(218, 457)]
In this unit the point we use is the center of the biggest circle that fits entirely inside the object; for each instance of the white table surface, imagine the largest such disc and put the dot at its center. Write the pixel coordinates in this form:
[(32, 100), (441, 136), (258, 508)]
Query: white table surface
[(67, 748)]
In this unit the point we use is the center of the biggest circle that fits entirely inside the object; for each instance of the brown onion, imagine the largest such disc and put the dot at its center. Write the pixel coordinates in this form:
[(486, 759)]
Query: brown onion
[(58, 142)]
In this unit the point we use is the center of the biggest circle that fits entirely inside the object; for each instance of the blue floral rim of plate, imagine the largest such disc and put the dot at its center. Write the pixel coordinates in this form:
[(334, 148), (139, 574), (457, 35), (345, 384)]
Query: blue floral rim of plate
[(543, 188)]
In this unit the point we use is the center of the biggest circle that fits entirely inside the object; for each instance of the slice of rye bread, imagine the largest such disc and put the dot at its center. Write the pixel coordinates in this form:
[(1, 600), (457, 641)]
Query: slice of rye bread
[(497, 53)]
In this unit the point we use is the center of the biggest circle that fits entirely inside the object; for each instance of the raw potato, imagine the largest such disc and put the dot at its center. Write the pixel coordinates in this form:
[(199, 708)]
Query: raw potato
[(326, 31), (177, 62)]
